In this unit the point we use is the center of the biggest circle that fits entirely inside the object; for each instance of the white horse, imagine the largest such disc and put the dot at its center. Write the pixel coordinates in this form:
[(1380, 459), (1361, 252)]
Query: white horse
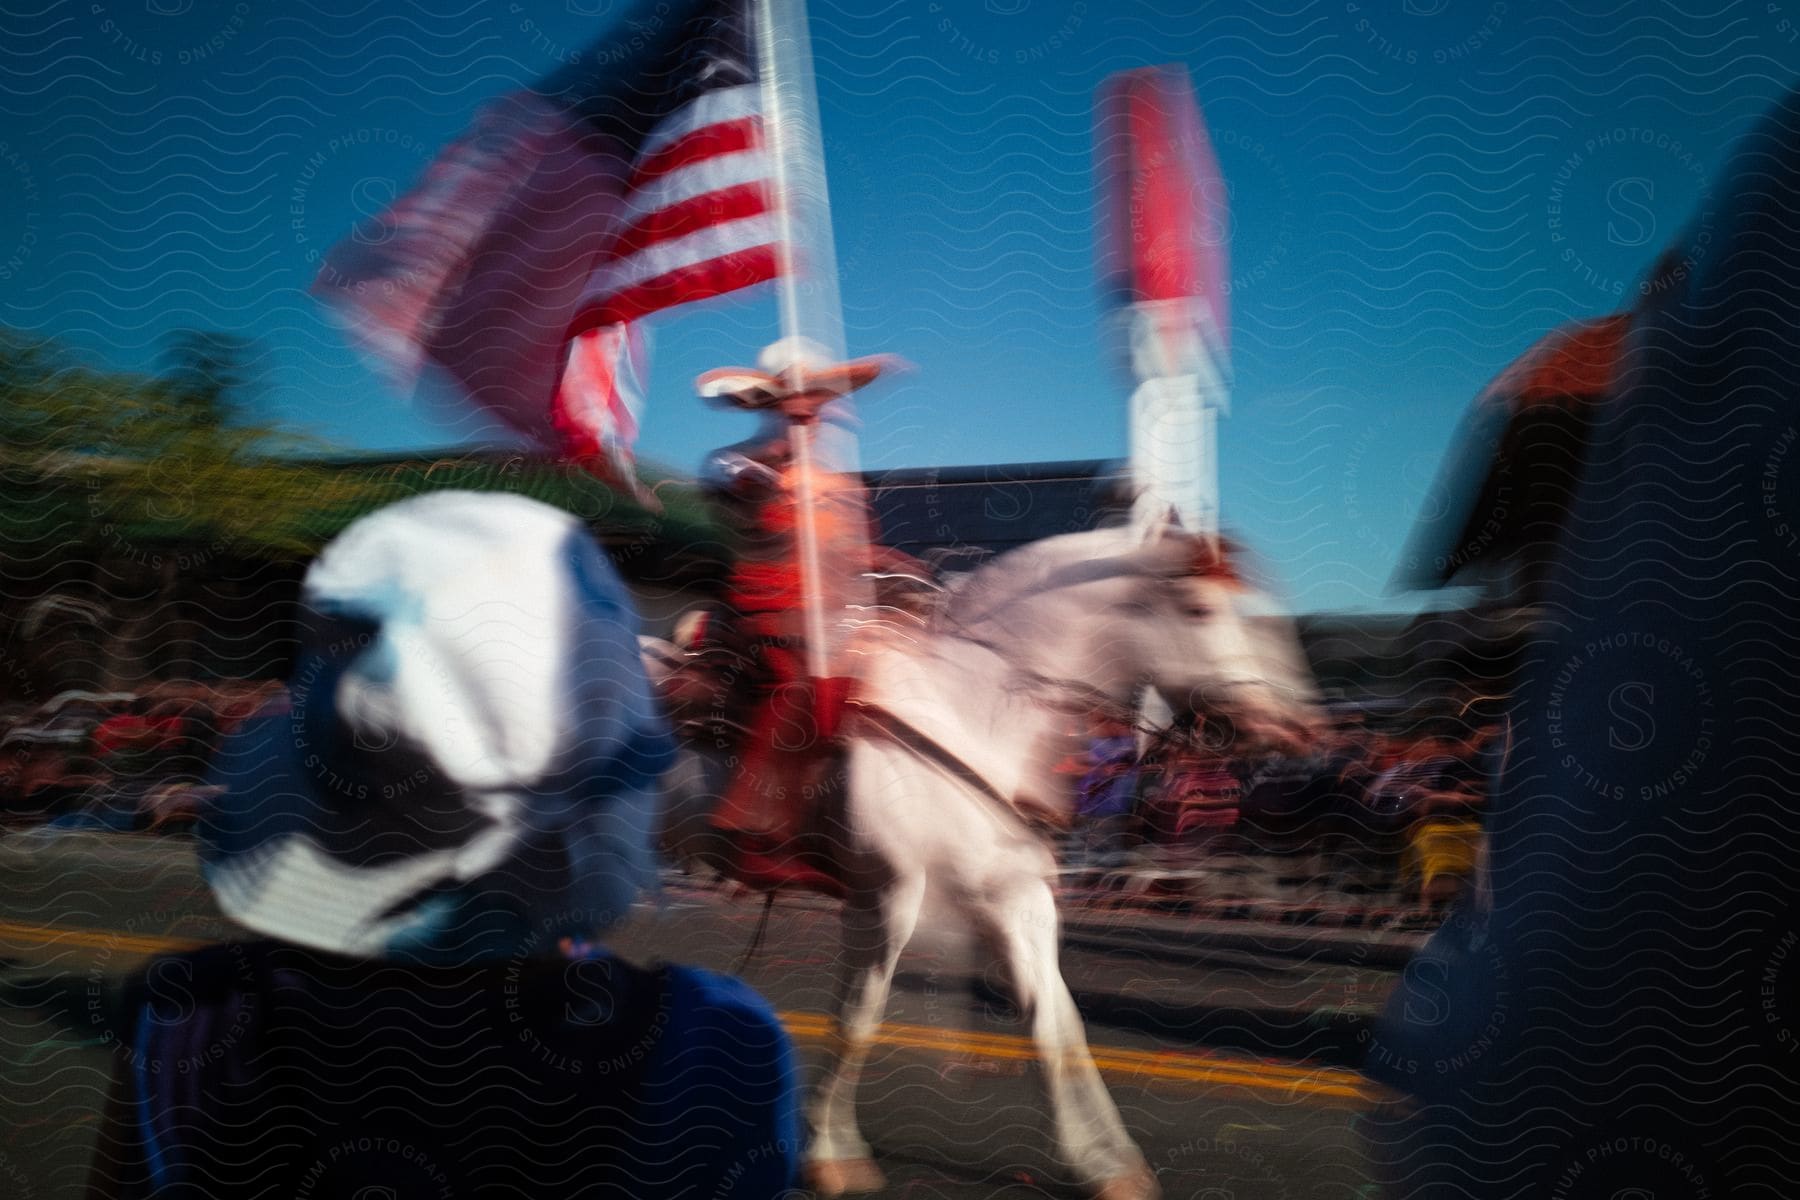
[(950, 755)]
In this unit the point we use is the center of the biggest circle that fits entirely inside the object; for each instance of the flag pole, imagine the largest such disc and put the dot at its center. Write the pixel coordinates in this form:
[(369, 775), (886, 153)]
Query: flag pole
[(807, 286), (1174, 422), (1163, 254)]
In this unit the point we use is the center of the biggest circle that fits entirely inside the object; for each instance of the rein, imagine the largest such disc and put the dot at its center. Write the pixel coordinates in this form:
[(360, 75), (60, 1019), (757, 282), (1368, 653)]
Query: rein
[(903, 733), (1068, 696), (1072, 697), (1077, 698)]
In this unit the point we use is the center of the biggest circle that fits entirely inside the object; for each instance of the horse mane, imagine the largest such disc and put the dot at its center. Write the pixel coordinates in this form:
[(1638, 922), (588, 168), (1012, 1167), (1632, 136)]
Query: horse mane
[(1092, 554), (1032, 569)]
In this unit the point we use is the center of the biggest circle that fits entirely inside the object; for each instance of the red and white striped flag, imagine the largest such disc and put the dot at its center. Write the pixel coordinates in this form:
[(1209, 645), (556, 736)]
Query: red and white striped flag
[(600, 397), (699, 218), (630, 182)]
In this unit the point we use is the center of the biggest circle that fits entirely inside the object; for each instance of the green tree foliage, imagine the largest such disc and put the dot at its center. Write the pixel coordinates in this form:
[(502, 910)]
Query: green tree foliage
[(124, 464), (98, 458)]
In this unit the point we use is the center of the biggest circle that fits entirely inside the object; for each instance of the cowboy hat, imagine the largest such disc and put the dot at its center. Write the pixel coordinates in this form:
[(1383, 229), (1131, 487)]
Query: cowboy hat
[(793, 366)]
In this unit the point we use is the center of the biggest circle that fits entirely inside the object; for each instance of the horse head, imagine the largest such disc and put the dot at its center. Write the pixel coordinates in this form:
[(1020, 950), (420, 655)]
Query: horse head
[(1112, 612), (1196, 636)]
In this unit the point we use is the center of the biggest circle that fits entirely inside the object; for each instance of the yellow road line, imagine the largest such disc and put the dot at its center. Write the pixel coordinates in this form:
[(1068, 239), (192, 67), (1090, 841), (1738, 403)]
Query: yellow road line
[(1323, 1083), (1152, 1059), (11, 933), (1174, 1066)]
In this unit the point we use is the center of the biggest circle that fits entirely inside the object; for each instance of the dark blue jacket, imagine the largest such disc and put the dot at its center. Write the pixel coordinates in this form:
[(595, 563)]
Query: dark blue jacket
[(1625, 1022), (262, 1069)]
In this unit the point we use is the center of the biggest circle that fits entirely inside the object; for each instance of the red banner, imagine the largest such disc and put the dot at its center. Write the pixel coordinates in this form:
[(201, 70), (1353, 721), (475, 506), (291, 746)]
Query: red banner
[(1163, 233)]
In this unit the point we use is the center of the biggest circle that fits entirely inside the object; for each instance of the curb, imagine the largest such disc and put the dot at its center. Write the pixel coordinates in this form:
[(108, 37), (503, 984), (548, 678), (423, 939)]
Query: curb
[(1312, 914), (1178, 931), (1184, 939)]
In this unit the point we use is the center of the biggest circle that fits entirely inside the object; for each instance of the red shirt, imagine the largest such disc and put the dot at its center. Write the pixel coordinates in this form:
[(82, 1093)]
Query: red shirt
[(134, 732)]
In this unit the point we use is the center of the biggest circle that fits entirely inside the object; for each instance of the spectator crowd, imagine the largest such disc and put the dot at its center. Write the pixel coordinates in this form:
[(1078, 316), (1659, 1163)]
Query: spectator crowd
[(1371, 810), (119, 760)]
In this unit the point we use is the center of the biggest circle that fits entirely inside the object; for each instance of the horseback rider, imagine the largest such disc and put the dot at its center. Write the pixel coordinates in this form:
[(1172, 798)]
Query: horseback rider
[(781, 505), (784, 745), (762, 609)]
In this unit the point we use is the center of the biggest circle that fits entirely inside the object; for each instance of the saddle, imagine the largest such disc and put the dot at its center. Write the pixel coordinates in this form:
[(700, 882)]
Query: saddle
[(698, 694)]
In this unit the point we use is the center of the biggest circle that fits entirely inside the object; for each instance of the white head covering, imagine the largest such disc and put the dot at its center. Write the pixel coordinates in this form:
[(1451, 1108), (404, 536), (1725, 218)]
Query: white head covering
[(470, 763)]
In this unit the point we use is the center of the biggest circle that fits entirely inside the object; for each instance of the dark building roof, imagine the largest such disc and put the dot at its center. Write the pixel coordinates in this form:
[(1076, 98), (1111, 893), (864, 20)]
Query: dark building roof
[(960, 515)]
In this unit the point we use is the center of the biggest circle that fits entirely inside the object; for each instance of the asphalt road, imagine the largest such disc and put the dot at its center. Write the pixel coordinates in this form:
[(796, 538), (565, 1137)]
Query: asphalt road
[(1228, 1060)]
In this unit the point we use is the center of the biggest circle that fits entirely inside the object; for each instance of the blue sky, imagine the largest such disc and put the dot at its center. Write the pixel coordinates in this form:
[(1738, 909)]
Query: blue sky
[(1419, 189)]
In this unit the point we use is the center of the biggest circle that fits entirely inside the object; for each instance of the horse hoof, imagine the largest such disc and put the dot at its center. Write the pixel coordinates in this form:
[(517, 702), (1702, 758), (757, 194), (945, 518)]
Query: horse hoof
[(1133, 1185), (844, 1176)]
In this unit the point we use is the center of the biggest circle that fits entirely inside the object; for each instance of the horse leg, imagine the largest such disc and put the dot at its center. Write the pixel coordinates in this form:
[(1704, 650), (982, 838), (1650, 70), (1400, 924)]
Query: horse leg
[(875, 931), (1027, 933)]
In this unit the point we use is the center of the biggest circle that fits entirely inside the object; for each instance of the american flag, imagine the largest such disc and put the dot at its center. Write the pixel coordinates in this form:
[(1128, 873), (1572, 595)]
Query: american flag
[(630, 182), (698, 213)]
